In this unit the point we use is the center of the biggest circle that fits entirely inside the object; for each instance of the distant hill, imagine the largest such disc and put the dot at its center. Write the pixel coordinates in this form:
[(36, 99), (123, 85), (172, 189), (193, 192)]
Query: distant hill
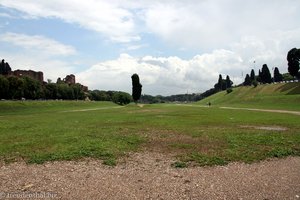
[(271, 96)]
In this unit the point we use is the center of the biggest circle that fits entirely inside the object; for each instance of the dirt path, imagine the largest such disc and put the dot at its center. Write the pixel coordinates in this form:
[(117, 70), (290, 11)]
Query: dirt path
[(150, 176), (264, 110), (92, 109)]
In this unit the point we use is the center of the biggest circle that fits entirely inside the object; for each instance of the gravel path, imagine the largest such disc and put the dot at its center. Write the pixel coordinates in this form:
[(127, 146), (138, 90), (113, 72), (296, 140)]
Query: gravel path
[(264, 110), (150, 176)]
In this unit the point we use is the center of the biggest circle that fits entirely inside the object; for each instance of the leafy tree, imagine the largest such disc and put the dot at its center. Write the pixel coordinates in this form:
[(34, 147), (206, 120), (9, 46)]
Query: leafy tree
[(97, 95), (78, 93), (51, 91), (63, 91), (32, 88), (121, 98), (277, 76), (265, 74), (136, 87), (247, 80), (293, 58), (4, 87), (16, 87), (287, 77)]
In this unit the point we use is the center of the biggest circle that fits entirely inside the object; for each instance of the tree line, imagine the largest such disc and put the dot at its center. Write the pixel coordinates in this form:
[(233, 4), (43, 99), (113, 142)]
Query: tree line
[(24, 87), (13, 87), (264, 77)]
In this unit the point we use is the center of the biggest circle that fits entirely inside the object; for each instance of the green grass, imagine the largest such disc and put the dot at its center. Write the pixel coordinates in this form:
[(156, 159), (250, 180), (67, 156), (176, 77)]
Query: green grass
[(45, 131), (271, 96)]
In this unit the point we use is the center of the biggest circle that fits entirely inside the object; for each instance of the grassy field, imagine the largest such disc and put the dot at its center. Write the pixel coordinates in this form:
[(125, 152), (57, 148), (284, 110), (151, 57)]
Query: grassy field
[(64, 130), (274, 96)]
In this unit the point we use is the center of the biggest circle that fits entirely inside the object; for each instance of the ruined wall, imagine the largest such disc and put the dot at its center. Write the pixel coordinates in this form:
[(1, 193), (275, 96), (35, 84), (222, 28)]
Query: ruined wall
[(70, 79), (30, 73)]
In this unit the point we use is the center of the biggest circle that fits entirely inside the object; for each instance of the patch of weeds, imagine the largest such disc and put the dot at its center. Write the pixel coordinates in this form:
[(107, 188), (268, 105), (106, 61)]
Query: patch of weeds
[(281, 152), (206, 160), (110, 162), (179, 164)]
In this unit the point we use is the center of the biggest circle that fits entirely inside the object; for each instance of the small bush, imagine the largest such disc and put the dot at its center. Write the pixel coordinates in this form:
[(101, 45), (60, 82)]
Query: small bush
[(229, 90), (255, 83)]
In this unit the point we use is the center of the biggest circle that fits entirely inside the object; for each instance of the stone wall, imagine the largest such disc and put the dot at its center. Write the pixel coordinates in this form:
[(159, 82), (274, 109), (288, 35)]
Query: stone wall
[(39, 76), (70, 79)]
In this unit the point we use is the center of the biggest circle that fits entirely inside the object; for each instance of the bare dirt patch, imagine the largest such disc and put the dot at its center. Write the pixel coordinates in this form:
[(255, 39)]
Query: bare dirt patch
[(150, 176), (175, 143), (268, 128)]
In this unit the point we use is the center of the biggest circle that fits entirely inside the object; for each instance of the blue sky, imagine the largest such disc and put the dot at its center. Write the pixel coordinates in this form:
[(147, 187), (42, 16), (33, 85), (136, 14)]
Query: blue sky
[(175, 46)]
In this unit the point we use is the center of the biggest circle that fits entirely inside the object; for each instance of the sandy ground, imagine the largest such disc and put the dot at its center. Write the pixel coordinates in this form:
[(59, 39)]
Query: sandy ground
[(150, 176)]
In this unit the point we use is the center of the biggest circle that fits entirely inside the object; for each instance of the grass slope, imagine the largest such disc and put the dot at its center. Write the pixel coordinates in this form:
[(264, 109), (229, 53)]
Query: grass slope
[(43, 131), (270, 96)]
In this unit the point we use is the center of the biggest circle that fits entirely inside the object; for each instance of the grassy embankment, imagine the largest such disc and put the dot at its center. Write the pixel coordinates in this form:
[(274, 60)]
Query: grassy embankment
[(271, 96), (44, 131)]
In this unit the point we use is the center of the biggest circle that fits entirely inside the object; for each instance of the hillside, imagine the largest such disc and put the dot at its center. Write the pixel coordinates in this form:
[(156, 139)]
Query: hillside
[(271, 96)]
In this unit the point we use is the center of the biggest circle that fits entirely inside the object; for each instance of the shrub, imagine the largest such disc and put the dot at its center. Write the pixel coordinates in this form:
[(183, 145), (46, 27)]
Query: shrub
[(255, 83), (121, 98), (229, 90)]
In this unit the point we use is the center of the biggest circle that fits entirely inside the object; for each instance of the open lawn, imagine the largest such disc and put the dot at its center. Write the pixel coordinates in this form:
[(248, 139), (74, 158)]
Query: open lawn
[(39, 131)]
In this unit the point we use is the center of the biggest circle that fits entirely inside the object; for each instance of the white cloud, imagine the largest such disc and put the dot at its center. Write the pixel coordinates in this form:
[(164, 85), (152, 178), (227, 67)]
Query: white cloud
[(38, 43), (160, 75), (234, 33), (37, 53), (106, 17), (173, 75), (208, 25)]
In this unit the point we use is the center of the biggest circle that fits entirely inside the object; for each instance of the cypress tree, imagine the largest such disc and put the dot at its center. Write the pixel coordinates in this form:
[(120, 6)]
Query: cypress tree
[(252, 75), (136, 87), (247, 80), (265, 74), (220, 82), (228, 82), (277, 76)]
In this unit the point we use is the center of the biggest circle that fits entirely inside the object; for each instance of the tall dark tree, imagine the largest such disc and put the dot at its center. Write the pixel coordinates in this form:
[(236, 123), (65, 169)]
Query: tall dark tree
[(277, 76), (220, 83), (258, 78), (4, 68), (265, 74), (247, 80), (136, 87), (293, 58), (228, 82), (252, 75)]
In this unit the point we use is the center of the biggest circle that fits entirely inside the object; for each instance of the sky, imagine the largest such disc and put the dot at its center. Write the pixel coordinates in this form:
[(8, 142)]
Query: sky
[(174, 46)]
